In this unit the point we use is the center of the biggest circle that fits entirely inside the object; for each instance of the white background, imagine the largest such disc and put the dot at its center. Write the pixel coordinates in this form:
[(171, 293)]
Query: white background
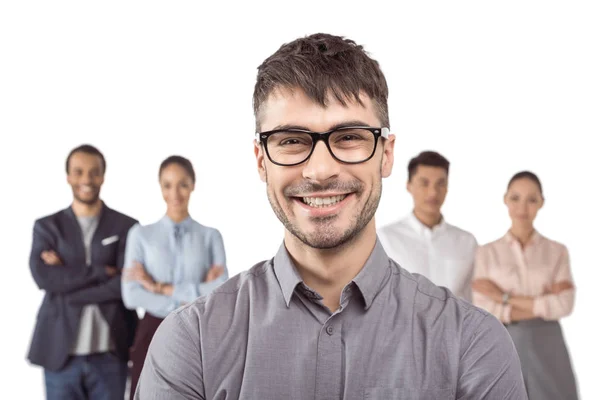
[(497, 87)]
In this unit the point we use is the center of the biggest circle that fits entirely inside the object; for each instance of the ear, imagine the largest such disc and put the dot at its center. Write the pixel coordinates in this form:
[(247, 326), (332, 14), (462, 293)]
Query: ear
[(506, 199), (387, 161), (260, 161)]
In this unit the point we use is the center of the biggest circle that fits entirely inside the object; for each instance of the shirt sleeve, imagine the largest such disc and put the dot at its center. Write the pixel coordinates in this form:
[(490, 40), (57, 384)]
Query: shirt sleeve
[(481, 271), (466, 292), (556, 306), (134, 294), (59, 279), (173, 366), (489, 366), (186, 292)]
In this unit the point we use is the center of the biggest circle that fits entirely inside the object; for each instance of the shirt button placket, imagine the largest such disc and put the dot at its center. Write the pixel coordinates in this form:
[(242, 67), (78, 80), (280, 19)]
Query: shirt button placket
[(329, 363)]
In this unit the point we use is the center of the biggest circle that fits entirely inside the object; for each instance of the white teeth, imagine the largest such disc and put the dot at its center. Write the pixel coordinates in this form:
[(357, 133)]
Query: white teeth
[(320, 202)]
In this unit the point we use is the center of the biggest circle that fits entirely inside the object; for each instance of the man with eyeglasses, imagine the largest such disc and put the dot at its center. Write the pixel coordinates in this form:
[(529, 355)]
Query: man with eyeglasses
[(331, 316)]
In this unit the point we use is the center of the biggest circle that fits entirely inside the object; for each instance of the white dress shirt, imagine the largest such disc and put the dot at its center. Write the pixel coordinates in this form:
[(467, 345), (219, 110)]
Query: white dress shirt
[(445, 254)]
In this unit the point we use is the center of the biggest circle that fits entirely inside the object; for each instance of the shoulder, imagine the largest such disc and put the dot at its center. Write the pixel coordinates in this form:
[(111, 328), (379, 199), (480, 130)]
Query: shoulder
[(49, 220), (389, 234), (425, 291), (138, 231), (205, 229), (232, 295), (553, 243), (210, 231), (433, 302), (393, 227), (120, 217), (462, 233), (492, 246)]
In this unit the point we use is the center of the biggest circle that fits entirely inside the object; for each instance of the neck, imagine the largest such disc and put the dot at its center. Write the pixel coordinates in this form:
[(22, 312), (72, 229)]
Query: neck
[(328, 271), (427, 219), (178, 216), (522, 232), (86, 210)]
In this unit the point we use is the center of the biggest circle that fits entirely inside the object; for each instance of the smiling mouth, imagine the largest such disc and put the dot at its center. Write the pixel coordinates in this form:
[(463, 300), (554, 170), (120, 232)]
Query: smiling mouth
[(322, 202), (86, 189)]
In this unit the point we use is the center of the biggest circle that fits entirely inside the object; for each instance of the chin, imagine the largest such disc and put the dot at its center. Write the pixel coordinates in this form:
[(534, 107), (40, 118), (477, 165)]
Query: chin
[(88, 199), (325, 234), (432, 210)]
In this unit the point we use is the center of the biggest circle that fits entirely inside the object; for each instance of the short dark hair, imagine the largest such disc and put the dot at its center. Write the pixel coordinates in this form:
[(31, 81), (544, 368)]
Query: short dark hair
[(320, 64), (526, 175), (182, 162), (88, 149), (429, 158)]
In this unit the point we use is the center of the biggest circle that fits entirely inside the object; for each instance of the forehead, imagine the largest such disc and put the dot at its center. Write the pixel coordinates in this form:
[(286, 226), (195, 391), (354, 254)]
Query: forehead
[(174, 171), (430, 172), (294, 107), (85, 160), (524, 185)]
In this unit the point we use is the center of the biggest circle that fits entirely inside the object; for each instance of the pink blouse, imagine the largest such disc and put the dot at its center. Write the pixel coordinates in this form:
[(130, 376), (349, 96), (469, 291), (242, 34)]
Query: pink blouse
[(525, 272)]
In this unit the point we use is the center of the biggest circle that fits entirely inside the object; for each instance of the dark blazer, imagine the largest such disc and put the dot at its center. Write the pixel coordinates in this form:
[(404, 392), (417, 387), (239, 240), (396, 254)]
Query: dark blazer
[(73, 285)]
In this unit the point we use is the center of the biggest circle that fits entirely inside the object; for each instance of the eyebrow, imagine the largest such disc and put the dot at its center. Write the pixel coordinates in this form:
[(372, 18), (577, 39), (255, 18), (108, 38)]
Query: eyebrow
[(344, 124)]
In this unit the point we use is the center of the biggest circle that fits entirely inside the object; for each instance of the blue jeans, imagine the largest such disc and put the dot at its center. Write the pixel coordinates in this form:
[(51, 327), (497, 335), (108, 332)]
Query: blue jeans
[(95, 377)]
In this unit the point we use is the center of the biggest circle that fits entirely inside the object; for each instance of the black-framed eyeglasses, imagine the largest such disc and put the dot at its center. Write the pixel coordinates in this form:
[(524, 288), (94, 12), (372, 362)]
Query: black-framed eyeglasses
[(349, 145)]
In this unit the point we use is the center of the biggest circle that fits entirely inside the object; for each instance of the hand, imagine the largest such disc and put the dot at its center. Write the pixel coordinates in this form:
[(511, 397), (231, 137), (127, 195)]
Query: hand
[(111, 271), (558, 287), (488, 288), (51, 258), (138, 273), (214, 272)]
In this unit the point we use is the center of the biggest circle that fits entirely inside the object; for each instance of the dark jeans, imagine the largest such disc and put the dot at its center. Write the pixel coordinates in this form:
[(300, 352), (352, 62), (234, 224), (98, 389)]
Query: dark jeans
[(95, 377)]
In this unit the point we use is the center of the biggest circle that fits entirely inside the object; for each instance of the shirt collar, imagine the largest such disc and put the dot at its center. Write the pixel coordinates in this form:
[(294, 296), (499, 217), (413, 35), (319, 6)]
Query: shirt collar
[(369, 279), (184, 225), (103, 210), (423, 229), (286, 273), (535, 238)]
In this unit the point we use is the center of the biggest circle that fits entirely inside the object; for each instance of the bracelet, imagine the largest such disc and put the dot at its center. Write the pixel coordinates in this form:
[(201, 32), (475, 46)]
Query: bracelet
[(505, 298)]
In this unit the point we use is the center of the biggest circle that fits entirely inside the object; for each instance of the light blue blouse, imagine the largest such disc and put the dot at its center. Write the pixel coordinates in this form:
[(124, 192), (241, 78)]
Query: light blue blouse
[(175, 253)]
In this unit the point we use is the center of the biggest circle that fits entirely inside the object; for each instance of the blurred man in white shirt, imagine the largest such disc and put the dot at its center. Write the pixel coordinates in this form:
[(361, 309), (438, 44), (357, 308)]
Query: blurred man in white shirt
[(423, 242)]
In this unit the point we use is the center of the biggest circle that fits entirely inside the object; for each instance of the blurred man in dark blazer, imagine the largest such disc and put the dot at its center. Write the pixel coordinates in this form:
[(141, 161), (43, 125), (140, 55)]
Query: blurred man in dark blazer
[(83, 331)]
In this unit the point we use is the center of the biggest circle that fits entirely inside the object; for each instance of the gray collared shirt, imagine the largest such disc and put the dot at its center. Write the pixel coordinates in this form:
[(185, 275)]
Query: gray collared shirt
[(265, 335)]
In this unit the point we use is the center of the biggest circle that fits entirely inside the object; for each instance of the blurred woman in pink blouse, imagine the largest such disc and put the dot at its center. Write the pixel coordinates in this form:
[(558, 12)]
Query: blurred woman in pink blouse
[(525, 280)]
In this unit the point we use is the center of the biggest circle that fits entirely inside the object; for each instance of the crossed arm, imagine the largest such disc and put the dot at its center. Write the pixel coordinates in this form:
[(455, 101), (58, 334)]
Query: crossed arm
[(140, 289), (521, 307), (555, 302), (51, 274)]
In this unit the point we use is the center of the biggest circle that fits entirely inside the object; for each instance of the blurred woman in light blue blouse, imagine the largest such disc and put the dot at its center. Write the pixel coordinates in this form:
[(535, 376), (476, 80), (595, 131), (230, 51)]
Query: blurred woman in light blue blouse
[(170, 262)]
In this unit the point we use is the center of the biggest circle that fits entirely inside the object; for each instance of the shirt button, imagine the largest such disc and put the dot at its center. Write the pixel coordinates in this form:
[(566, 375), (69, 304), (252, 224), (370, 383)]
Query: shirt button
[(329, 330)]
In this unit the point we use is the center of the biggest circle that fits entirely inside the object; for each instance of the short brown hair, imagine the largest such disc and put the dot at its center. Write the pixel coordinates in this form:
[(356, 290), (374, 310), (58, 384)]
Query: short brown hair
[(429, 158), (320, 64)]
